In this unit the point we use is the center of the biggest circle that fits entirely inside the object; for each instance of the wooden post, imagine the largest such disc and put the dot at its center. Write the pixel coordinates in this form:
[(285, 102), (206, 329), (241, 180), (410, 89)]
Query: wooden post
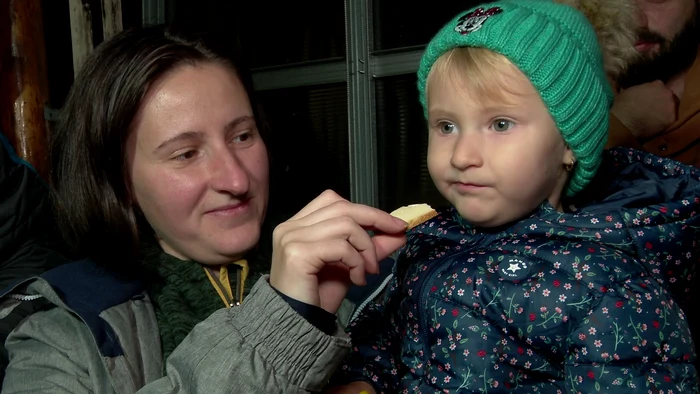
[(23, 81), (111, 18), (81, 26), (80, 31)]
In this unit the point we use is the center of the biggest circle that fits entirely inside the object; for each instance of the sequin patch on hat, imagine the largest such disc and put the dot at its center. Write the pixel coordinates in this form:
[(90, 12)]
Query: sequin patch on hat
[(475, 19)]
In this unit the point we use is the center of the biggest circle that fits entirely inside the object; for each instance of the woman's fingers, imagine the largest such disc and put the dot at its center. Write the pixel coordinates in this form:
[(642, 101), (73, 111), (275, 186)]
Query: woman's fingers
[(296, 271), (311, 257), (325, 246), (365, 216), (343, 227), (386, 244)]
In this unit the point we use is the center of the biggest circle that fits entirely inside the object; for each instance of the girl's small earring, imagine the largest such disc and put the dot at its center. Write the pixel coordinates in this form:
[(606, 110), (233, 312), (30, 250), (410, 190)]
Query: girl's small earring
[(570, 166)]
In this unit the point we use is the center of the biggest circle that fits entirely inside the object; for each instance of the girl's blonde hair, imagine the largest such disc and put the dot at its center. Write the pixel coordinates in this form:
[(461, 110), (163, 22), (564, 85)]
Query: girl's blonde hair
[(484, 73)]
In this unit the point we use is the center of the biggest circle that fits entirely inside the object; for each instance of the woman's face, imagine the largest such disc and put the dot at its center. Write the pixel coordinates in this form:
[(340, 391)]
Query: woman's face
[(198, 166)]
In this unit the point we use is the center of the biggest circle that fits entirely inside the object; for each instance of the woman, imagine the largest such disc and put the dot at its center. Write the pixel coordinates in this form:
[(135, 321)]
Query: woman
[(160, 179)]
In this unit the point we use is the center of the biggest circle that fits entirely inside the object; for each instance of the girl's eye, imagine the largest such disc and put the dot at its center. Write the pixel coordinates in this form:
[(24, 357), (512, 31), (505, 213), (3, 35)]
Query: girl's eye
[(447, 128), (502, 125)]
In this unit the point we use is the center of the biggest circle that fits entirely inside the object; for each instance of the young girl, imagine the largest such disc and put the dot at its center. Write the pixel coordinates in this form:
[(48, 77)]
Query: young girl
[(543, 277)]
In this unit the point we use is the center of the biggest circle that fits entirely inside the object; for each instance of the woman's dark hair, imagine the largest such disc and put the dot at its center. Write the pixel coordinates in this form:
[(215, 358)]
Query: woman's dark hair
[(89, 186)]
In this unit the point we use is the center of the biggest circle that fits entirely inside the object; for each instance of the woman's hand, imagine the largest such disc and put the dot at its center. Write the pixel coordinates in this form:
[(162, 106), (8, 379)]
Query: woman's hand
[(325, 247)]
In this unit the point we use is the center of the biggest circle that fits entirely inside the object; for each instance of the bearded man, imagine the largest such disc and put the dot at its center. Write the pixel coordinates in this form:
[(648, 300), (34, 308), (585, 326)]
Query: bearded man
[(657, 107)]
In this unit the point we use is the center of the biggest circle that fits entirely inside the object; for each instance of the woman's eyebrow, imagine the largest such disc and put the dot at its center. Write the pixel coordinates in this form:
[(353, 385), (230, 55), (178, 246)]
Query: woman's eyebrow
[(186, 135)]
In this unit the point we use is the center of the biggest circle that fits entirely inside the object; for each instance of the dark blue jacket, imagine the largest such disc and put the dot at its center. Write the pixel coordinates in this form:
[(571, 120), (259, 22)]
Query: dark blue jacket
[(586, 301), (29, 242)]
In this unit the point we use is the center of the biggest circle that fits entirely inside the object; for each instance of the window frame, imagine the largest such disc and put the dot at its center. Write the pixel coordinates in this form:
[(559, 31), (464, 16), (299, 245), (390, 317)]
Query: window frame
[(361, 67)]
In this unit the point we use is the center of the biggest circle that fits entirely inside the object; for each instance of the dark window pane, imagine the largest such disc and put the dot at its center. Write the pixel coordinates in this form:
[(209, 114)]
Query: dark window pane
[(59, 50), (269, 33), (398, 24), (402, 141), (132, 14), (308, 144)]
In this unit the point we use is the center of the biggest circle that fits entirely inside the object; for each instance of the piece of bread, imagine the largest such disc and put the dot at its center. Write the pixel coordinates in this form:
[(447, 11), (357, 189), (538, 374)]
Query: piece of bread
[(414, 214)]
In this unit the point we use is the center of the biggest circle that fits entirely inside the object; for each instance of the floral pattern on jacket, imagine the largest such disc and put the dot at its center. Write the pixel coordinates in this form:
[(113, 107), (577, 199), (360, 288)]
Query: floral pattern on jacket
[(580, 302)]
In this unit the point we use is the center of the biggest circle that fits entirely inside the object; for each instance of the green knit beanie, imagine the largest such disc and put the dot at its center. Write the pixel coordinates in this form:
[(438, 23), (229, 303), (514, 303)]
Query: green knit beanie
[(556, 47)]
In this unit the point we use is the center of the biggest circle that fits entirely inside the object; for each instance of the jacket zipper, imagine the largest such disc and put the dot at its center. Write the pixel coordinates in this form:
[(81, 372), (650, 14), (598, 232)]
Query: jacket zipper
[(231, 302), (371, 298), (24, 297), (239, 283)]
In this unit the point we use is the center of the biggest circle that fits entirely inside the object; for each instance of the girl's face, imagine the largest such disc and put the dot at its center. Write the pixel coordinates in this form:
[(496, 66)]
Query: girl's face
[(494, 161), (197, 164)]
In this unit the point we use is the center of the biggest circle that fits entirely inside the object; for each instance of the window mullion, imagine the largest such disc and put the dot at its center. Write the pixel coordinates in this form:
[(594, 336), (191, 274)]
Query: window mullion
[(361, 108), (153, 12)]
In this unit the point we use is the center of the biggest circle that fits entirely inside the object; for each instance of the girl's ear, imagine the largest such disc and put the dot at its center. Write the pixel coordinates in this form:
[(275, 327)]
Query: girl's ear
[(568, 158)]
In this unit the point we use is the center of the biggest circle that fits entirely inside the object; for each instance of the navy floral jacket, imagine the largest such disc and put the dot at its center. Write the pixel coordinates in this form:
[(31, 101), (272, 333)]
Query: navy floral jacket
[(583, 302)]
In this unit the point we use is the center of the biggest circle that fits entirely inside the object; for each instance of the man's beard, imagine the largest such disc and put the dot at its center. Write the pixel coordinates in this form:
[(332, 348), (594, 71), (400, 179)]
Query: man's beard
[(673, 57)]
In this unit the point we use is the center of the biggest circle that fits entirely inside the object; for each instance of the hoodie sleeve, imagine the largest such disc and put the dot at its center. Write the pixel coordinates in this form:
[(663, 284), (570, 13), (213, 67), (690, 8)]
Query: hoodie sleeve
[(666, 234), (634, 339), (375, 344)]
